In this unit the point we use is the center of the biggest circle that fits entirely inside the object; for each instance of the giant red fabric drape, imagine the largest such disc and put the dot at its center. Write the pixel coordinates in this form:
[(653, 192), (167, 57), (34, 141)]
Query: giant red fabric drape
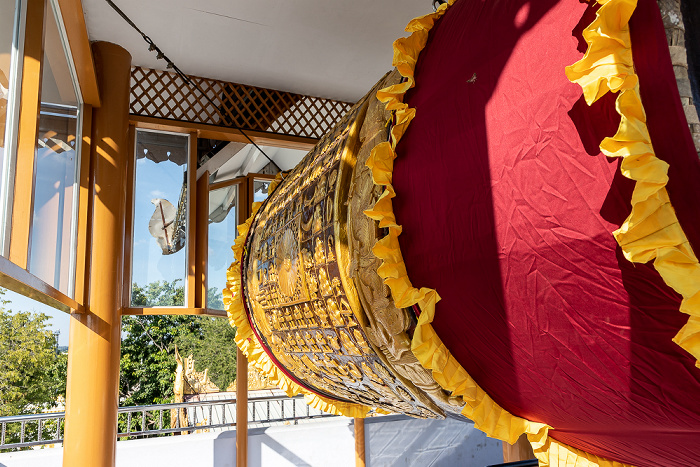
[(507, 209)]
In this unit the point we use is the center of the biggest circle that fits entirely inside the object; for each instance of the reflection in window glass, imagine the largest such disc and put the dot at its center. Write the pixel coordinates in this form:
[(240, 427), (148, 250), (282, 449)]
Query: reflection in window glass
[(159, 256), (260, 190), (7, 20), (9, 55), (222, 233), (52, 251)]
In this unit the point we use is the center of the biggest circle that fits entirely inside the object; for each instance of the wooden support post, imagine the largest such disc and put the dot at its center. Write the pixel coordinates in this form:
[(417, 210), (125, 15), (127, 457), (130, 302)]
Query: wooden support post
[(520, 451), (95, 336), (241, 410), (23, 195), (359, 442), (194, 298), (202, 236)]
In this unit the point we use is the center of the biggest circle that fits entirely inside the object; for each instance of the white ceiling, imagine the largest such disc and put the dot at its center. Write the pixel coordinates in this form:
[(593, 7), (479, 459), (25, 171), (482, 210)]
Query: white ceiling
[(326, 48)]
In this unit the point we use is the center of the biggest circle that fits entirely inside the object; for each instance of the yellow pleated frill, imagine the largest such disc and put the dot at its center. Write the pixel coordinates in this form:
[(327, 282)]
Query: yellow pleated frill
[(427, 346), (252, 349), (652, 230)]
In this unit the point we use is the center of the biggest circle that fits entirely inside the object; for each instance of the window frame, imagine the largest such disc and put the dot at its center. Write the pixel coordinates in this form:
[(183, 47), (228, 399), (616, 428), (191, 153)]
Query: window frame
[(12, 125), (189, 292), (52, 10)]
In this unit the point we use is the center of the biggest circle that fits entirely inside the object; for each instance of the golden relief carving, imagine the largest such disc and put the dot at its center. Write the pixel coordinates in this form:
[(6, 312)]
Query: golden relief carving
[(287, 259), (387, 325), (303, 304)]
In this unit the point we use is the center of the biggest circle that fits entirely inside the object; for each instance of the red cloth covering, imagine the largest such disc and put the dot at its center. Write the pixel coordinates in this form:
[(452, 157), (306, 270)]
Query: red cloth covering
[(508, 207)]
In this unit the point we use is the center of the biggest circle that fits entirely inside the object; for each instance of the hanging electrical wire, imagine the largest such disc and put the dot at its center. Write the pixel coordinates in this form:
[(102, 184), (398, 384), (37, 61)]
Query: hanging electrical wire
[(160, 55)]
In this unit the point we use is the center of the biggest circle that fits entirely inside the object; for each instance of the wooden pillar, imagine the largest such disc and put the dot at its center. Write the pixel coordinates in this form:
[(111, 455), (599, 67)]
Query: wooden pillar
[(241, 410), (520, 451), (93, 357), (23, 196), (359, 442)]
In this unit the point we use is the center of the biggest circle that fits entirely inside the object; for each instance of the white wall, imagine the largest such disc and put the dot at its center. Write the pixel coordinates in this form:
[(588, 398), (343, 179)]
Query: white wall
[(395, 441)]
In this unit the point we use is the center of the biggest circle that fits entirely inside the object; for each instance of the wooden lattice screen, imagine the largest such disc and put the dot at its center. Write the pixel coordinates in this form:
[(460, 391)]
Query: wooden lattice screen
[(162, 94)]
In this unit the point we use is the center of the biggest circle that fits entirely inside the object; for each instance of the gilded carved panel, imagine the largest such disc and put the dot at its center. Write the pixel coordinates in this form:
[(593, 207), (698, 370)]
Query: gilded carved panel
[(309, 280)]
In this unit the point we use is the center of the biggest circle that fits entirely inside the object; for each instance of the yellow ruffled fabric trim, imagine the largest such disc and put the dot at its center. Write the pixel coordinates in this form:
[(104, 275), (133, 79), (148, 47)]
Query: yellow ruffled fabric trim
[(652, 230), (251, 348), (487, 415)]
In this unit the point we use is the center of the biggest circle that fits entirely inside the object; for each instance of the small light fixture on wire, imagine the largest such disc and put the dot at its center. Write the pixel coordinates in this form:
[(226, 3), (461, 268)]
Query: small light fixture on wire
[(170, 65), (437, 3)]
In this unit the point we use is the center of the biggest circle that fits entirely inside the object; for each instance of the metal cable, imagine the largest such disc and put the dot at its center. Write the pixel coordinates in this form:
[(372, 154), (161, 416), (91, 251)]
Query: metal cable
[(171, 65)]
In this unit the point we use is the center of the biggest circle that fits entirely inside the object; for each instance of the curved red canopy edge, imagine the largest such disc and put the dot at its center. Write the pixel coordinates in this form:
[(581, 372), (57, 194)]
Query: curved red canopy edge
[(507, 209)]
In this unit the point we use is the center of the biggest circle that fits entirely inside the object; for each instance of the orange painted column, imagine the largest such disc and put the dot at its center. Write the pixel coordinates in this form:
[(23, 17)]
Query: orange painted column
[(241, 410), (359, 442), (520, 451), (93, 356)]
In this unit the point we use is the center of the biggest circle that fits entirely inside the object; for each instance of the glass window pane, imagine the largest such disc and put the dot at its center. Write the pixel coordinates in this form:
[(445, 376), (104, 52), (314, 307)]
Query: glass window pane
[(7, 28), (159, 258), (222, 232), (260, 190), (52, 245), (9, 55)]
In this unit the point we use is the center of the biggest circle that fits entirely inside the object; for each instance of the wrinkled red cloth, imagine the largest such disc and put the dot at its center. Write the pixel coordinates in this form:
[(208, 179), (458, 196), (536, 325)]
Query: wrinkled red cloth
[(507, 207)]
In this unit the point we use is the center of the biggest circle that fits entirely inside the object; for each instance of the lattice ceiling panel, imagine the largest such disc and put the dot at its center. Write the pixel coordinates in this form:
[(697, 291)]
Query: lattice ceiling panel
[(162, 94)]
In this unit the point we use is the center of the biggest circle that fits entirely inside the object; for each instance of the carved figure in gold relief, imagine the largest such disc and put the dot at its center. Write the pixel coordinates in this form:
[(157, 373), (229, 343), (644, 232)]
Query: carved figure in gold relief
[(333, 339), (384, 372), (287, 263), (313, 284), (349, 345), (307, 311), (386, 392), (306, 256), (311, 342), (319, 252), (331, 249), (307, 361), (361, 341), (326, 289), (338, 289), (277, 343), (298, 318), (320, 338), (293, 343), (334, 312), (274, 320), (350, 320), (318, 219), (321, 314), (354, 371), (403, 394), (371, 374), (300, 342), (342, 371)]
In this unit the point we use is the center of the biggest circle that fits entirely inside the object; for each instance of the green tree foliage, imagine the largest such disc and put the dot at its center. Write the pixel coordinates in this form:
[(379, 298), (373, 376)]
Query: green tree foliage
[(212, 348), (32, 372), (147, 365), (27, 356), (158, 293), (148, 346), (215, 299)]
